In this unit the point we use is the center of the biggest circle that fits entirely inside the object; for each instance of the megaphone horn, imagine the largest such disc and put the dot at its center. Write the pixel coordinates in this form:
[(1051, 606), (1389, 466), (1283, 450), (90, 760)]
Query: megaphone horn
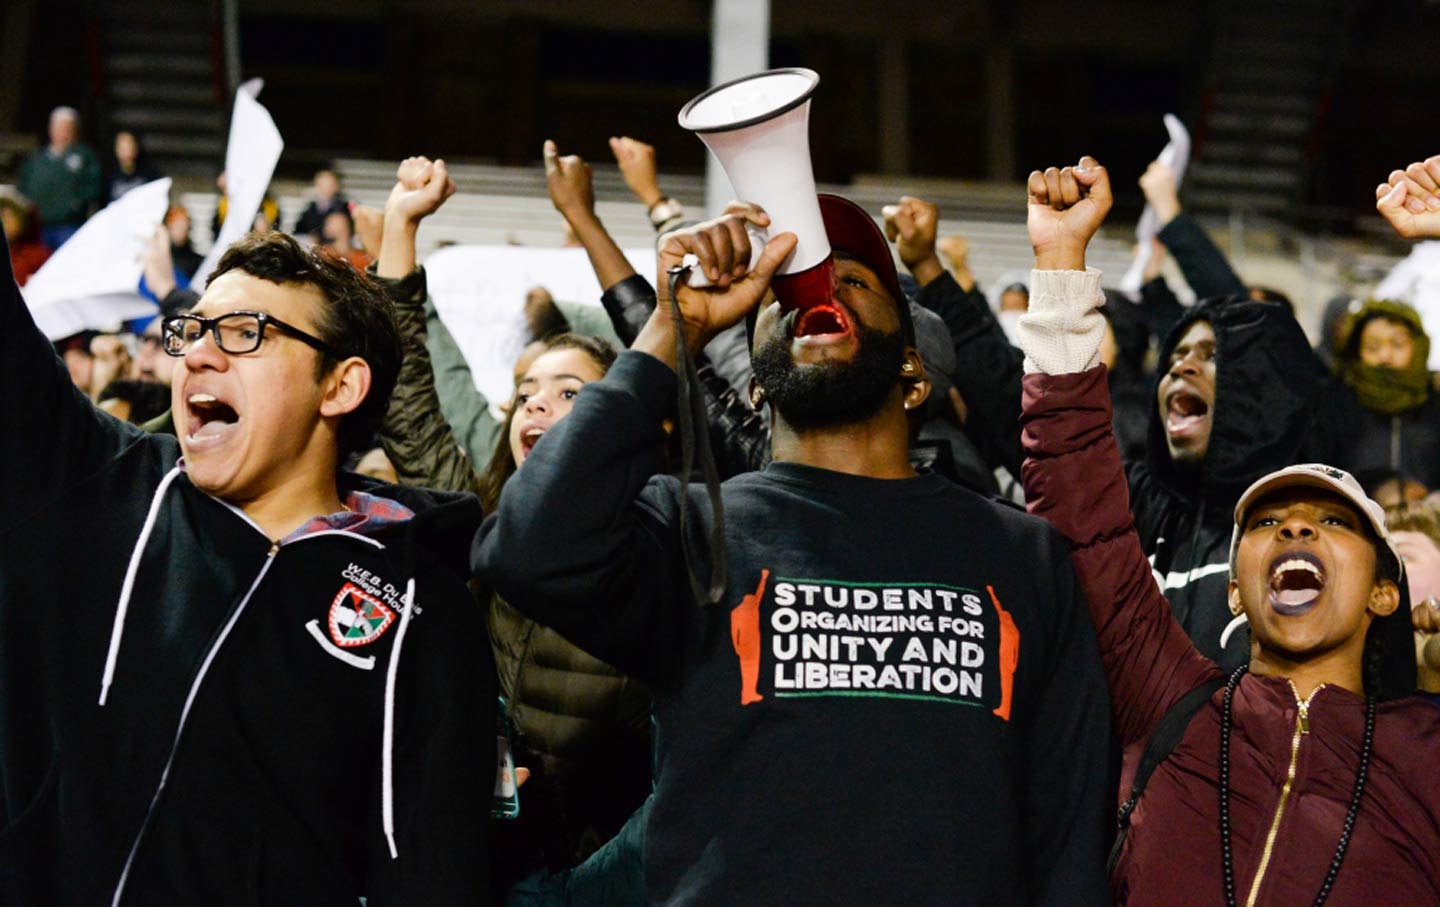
[(758, 127)]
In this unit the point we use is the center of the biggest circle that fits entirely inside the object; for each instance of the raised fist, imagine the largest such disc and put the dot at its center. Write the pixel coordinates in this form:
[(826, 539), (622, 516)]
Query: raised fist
[(1066, 207), (956, 250), (637, 165), (569, 180), (1410, 199), (911, 226), (421, 187)]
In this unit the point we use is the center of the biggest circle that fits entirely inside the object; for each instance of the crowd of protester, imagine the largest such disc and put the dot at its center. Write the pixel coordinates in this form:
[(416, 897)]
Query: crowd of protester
[(755, 613), (61, 184)]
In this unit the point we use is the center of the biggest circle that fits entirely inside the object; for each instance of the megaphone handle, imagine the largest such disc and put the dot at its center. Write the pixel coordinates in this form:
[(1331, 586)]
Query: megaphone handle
[(697, 278)]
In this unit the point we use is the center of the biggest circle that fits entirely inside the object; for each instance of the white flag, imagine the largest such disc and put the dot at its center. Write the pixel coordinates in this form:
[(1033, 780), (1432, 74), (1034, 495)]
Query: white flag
[(250, 159), (1175, 155)]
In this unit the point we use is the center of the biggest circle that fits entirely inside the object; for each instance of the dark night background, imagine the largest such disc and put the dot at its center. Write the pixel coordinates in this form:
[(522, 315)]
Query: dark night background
[(1321, 97)]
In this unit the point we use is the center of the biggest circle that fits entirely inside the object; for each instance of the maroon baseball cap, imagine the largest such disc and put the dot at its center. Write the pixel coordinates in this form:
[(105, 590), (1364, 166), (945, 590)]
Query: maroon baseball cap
[(853, 231)]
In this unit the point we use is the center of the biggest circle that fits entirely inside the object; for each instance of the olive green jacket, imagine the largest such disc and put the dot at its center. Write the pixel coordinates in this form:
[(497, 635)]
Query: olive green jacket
[(576, 719)]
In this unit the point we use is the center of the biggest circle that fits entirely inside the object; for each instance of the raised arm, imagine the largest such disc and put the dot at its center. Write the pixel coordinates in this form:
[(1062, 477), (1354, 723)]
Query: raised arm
[(1073, 475), (987, 366), (572, 191), (416, 437), (1159, 306), (642, 175), (59, 438), (1410, 199), (1201, 261)]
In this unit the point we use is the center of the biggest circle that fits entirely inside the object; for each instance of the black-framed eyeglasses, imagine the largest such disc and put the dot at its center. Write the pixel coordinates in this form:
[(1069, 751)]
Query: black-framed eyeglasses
[(234, 332)]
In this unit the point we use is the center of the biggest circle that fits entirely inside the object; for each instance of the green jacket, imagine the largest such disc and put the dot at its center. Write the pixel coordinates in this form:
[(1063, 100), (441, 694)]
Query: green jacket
[(64, 186), (581, 726)]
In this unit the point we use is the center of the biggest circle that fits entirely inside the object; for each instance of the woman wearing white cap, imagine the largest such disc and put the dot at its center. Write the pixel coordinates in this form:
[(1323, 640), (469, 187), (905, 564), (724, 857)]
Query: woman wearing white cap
[(1297, 779)]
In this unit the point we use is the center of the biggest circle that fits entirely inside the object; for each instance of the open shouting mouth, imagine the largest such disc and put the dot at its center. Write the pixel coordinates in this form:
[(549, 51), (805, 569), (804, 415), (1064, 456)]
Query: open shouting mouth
[(209, 421), (1185, 413), (530, 435), (823, 321), (1296, 580)]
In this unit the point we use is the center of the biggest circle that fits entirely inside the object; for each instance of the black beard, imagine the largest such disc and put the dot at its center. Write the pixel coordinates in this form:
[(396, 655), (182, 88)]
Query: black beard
[(829, 394)]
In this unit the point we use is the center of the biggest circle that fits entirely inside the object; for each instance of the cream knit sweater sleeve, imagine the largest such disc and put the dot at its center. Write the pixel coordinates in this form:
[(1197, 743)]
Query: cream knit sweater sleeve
[(1063, 329)]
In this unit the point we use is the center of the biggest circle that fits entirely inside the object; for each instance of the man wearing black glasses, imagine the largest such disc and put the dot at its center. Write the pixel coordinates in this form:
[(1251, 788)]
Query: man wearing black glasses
[(230, 672)]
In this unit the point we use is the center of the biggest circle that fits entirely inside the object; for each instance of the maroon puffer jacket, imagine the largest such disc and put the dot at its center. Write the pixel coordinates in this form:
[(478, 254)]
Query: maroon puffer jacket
[(1283, 834)]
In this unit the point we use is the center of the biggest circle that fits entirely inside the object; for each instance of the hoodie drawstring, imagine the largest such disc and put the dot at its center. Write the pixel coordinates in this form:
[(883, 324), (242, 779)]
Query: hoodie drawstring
[(128, 587), (387, 783)]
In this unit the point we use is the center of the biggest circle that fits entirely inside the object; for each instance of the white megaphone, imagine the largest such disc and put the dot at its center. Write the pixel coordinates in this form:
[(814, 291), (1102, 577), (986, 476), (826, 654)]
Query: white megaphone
[(759, 129)]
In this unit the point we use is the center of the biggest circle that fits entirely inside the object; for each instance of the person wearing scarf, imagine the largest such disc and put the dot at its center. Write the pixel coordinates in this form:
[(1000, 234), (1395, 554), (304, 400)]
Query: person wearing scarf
[(1384, 400)]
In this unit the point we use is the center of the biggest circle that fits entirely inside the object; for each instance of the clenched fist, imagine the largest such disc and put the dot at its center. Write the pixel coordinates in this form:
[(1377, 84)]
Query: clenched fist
[(911, 225), (1066, 206), (637, 165), (421, 187), (1410, 199)]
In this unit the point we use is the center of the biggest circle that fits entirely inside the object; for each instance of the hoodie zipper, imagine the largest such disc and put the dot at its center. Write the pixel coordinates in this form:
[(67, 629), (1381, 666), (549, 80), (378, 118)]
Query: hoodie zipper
[(184, 716), (275, 546), (1395, 443), (1302, 729)]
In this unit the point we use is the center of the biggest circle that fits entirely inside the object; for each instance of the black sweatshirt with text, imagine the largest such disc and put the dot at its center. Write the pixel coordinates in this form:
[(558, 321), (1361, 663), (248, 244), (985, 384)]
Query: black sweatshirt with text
[(898, 701)]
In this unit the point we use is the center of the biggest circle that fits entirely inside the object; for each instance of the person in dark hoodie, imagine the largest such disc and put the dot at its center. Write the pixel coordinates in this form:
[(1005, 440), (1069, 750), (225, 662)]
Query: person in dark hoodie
[(1236, 399), (217, 685), (1385, 397), (812, 714)]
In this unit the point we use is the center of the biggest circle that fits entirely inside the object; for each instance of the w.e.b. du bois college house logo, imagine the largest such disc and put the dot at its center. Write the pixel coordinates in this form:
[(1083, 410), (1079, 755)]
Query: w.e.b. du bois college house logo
[(357, 617)]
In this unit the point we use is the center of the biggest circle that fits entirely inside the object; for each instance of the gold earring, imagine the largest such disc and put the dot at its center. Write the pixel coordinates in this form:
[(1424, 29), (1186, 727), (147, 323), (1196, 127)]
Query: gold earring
[(1236, 608)]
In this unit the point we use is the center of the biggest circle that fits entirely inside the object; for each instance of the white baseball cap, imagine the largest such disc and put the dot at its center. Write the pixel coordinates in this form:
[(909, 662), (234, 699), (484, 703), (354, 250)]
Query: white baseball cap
[(1326, 478)]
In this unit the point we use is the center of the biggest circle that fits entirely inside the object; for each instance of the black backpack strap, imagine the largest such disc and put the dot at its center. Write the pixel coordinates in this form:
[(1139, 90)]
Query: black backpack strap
[(1158, 748)]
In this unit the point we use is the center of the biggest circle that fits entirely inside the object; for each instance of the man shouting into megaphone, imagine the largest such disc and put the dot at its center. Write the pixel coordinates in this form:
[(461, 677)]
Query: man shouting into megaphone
[(897, 699)]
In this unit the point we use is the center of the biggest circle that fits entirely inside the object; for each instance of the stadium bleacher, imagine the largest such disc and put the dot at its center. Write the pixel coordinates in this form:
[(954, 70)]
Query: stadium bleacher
[(499, 205)]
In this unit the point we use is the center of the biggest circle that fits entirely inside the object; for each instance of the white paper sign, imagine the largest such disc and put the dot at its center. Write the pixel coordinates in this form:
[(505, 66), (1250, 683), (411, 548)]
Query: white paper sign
[(1176, 156), (250, 159), (479, 292), (1416, 280), (92, 281)]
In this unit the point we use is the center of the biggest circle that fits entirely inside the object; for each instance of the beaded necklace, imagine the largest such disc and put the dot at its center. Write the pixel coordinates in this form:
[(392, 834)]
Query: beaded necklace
[(1350, 814)]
